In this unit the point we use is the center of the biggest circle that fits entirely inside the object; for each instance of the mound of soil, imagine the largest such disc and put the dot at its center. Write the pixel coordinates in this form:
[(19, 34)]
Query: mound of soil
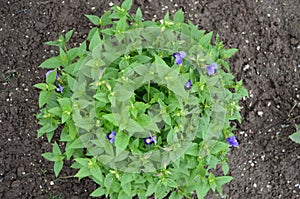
[(267, 34)]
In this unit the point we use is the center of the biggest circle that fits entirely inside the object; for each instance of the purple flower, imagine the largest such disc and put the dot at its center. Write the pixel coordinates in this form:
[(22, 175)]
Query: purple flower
[(212, 69), (178, 57), (232, 141), (50, 71), (111, 136), (150, 140), (59, 88), (188, 85)]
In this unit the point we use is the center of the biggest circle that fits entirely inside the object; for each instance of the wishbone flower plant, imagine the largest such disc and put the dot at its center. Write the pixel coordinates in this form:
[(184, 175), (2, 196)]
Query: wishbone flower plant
[(141, 108)]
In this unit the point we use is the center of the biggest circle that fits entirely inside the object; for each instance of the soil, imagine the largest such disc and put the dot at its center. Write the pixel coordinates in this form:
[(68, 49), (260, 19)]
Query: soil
[(267, 33)]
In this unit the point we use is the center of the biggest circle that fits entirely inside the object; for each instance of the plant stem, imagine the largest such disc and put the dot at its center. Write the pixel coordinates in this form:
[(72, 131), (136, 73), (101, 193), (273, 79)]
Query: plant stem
[(148, 91)]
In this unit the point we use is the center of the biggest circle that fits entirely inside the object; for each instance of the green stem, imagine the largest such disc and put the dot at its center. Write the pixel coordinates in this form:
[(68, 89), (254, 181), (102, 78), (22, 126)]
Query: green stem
[(148, 91)]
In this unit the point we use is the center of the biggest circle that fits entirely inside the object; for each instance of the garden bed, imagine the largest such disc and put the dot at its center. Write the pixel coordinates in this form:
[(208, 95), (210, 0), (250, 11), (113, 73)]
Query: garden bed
[(267, 34)]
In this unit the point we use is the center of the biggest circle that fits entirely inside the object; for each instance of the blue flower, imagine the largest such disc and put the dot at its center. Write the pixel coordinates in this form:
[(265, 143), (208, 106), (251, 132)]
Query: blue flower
[(212, 69), (59, 88), (232, 141), (150, 140), (188, 85), (111, 136), (178, 57)]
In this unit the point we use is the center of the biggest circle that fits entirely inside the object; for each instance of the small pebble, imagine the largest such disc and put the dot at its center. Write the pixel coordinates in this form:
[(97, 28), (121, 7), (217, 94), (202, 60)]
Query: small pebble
[(260, 113)]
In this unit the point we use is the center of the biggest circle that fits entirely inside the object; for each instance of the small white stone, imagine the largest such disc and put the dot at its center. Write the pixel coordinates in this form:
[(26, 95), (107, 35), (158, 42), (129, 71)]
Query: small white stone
[(247, 41), (9, 139), (258, 48), (246, 67), (51, 183), (93, 8), (260, 113), (269, 186), (254, 185), (268, 15), (23, 173), (26, 89), (110, 4)]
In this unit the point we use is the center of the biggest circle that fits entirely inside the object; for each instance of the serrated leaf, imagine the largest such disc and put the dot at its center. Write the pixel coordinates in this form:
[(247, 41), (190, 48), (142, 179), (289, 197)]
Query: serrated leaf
[(53, 62)]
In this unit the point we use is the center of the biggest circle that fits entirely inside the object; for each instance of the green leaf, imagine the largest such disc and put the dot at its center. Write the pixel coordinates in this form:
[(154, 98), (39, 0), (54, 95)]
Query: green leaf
[(53, 62), (94, 19), (41, 86), (138, 14), (77, 144), (202, 189), (49, 156), (229, 53), (179, 16), (98, 192), (110, 117), (58, 165), (68, 35), (152, 187), (225, 168), (221, 180), (95, 41), (96, 173), (65, 104), (56, 149), (205, 40), (82, 173), (122, 140), (126, 188), (126, 4), (193, 150), (295, 137), (72, 129), (44, 98), (50, 79)]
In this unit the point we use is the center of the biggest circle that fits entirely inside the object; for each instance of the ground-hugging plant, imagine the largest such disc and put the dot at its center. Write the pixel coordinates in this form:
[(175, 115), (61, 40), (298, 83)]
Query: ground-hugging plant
[(144, 108)]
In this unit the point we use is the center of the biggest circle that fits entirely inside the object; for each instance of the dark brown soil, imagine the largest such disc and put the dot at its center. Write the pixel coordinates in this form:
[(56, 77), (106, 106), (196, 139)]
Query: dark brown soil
[(268, 35)]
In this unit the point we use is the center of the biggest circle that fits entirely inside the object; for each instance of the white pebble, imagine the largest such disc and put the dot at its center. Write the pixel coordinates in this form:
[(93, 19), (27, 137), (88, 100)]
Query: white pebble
[(51, 183), (260, 113), (254, 185), (111, 4)]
